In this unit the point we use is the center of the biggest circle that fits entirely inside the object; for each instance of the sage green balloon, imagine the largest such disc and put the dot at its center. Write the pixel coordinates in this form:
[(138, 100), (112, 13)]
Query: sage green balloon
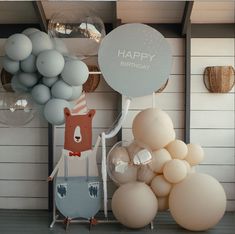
[(29, 64), (76, 92), (50, 63), (54, 111), (41, 94), (49, 81), (28, 79), (10, 66), (18, 47), (61, 90), (41, 42), (29, 31), (75, 72), (17, 86)]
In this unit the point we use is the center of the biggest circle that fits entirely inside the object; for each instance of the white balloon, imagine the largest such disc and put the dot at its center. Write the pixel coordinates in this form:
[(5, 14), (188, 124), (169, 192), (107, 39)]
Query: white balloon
[(54, 111), (61, 90), (29, 64), (50, 63), (40, 41), (75, 72), (10, 66), (28, 79), (29, 31), (41, 94), (49, 81), (18, 47)]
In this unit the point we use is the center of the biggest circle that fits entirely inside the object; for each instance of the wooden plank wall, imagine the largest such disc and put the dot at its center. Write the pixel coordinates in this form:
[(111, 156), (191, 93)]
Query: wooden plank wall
[(212, 115)]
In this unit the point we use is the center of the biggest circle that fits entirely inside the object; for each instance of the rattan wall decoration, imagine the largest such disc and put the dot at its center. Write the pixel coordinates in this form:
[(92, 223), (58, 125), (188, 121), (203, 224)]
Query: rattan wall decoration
[(163, 87), (219, 79), (93, 80), (6, 80)]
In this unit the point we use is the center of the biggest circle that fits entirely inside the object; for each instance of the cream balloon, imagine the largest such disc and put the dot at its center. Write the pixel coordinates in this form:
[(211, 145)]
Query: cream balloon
[(175, 171), (160, 186), (177, 149), (134, 205), (189, 169), (153, 128), (163, 203), (160, 157), (145, 174), (198, 202), (195, 154)]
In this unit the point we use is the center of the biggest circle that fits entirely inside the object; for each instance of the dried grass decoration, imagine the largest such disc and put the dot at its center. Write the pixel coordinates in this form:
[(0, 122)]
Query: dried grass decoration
[(219, 79), (93, 80), (6, 80)]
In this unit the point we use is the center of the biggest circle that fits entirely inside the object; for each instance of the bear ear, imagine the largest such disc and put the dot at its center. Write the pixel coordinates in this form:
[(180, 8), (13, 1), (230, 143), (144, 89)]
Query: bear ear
[(67, 112), (91, 113)]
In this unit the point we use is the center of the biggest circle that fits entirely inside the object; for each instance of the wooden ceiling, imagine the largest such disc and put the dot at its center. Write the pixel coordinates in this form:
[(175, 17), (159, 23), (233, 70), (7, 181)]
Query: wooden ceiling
[(15, 12)]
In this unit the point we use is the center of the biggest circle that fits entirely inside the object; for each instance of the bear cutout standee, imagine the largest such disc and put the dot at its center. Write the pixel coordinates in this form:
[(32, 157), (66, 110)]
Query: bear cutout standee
[(77, 190)]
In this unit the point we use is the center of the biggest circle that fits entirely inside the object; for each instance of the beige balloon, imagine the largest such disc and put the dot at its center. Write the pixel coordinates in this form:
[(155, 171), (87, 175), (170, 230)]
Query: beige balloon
[(129, 175), (177, 149), (198, 202), (159, 158), (195, 154), (163, 203), (134, 205), (154, 128), (175, 171), (189, 169), (145, 174), (160, 186)]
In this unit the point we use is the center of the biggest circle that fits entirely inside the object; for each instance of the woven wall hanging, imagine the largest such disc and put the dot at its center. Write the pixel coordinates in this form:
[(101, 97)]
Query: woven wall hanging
[(93, 80), (6, 80), (219, 79)]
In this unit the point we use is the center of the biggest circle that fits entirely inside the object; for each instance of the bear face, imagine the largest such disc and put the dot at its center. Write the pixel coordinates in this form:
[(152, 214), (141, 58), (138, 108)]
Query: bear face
[(78, 131)]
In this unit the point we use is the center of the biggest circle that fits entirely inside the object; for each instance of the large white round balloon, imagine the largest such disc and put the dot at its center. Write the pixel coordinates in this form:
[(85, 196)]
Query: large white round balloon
[(135, 59)]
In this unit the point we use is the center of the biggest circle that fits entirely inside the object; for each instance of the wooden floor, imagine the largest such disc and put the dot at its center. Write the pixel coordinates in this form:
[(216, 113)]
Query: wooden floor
[(37, 222)]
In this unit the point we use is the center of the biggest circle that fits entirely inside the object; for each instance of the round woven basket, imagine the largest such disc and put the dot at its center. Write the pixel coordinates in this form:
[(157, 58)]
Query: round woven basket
[(163, 87), (219, 79), (6, 80), (93, 80)]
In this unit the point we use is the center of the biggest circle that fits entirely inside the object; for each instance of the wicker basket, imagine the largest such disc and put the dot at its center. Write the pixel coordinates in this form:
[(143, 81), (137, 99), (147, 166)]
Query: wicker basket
[(6, 80), (219, 79), (93, 80), (163, 87)]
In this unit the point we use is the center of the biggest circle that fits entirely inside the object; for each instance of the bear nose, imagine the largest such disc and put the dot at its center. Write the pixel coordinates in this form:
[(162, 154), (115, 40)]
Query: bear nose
[(77, 138)]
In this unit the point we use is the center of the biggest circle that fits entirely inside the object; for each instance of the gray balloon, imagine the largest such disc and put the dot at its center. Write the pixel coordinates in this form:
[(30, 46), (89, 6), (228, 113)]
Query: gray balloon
[(49, 81), (135, 59), (40, 41), (17, 86), (50, 63), (28, 79), (76, 92), (29, 64), (54, 111), (75, 72), (10, 66), (61, 90), (41, 94), (29, 31), (18, 47)]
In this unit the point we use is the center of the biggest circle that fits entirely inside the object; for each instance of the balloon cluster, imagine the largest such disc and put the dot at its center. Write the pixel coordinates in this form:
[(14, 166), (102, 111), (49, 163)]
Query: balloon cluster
[(165, 164), (39, 69)]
